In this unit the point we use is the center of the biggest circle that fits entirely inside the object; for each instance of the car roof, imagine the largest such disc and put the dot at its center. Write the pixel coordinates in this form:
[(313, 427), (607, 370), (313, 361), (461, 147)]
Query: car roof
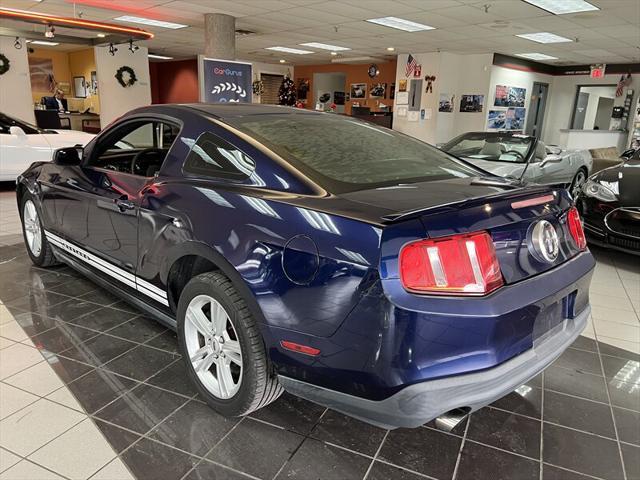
[(230, 110)]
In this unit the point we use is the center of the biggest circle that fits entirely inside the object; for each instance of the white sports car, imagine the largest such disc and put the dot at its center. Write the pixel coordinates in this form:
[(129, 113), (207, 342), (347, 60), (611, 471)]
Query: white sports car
[(21, 144)]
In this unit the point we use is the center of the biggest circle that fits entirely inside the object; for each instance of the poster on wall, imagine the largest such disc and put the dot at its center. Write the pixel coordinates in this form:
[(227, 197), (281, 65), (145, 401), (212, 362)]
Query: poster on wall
[(402, 98), (358, 90), (497, 119), (507, 96), (446, 103), (226, 81), (402, 85), (471, 103), (378, 90), (515, 118), (41, 74)]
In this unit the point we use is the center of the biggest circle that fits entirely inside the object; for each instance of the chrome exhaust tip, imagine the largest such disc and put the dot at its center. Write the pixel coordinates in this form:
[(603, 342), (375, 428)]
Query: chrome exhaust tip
[(448, 421)]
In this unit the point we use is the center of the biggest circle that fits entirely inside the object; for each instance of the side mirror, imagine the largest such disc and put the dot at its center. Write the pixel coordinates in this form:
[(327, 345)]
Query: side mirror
[(553, 150), (68, 156), (551, 159), (17, 131)]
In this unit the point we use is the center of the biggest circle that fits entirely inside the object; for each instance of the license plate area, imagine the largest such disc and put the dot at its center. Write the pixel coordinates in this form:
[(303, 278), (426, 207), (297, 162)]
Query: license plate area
[(552, 317)]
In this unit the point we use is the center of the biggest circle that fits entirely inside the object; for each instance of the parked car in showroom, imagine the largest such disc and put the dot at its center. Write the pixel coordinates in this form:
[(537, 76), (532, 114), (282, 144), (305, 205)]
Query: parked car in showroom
[(610, 205), (21, 144), (523, 157), (343, 262)]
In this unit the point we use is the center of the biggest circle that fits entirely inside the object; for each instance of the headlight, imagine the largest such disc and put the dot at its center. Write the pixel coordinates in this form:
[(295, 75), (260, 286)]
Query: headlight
[(599, 191)]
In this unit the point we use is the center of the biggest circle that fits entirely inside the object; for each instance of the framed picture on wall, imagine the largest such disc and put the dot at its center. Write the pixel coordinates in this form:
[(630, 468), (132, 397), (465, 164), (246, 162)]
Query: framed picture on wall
[(507, 96), (378, 90), (392, 91), (358, 90), (471, 103), (79, 87)]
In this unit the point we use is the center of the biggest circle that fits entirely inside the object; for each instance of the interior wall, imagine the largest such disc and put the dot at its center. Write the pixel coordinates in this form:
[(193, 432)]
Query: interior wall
[(15, 85), (116, 100), (456, 75), (81, 64), (562, 99), (330, 83), (354, 74), (177, 81), (61, 72)]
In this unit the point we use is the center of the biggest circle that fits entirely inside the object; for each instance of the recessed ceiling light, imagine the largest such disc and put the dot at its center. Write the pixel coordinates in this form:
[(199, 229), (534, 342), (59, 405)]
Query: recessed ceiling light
[(400, 24), (101, 35), (150, 21), (289, 50), (43, 42), (544, 37), (334, 53), (390, 49), (536, 56), (324, 46), (159, 57), (282, 60), (560, 7)]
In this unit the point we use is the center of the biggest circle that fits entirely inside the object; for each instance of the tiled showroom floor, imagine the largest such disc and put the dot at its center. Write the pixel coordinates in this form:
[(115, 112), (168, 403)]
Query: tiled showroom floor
[(89, 388)]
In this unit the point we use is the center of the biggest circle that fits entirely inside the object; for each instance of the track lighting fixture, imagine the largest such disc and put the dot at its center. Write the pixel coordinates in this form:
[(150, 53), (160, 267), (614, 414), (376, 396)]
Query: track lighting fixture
[(50, 32), (17, 44), (112, 49), (132, 47)]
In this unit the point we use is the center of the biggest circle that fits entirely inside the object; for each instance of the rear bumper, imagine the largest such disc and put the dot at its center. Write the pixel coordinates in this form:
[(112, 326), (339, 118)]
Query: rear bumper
[(419, 403)]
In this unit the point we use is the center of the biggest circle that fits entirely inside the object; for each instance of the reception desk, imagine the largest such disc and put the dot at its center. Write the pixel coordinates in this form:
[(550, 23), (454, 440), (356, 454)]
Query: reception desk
[(78, 119), (585, 139)]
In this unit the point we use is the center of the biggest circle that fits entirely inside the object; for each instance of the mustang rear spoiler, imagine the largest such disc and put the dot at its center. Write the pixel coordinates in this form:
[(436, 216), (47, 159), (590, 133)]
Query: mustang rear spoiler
[(515, 192)]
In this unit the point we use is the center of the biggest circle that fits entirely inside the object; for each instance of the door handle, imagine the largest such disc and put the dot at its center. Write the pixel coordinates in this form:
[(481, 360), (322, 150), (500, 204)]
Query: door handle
[(124, 204)]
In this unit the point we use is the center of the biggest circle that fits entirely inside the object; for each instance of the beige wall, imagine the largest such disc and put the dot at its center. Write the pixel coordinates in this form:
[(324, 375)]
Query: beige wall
[(15, 85)]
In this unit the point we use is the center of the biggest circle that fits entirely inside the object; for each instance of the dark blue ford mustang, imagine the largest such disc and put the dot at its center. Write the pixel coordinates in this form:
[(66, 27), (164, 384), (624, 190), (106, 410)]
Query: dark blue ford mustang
[(342, 262)]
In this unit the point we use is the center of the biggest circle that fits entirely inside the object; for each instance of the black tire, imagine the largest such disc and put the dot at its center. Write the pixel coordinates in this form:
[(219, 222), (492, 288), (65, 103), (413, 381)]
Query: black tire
[(259, 385), (45, 258)]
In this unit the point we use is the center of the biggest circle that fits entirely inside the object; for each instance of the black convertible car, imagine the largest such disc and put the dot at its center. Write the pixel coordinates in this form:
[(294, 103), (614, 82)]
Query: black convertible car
[(610, 206)]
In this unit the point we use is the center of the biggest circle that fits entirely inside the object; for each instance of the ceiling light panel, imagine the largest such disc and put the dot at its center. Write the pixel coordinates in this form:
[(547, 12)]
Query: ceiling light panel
[(536, 56), (324, 46), (159, 57), (295, 51), (43, 42), (400, 24), (150, 21), (544, 37), (561, 7)]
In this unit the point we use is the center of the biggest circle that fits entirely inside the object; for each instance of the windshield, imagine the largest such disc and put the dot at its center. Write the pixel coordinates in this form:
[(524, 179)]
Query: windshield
[(7, 122), (492, 147), (344, 154)]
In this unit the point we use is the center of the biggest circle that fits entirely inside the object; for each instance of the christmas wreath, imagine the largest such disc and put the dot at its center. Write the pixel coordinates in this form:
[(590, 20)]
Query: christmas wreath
[(4, 64), (120, 76), (258, 87)]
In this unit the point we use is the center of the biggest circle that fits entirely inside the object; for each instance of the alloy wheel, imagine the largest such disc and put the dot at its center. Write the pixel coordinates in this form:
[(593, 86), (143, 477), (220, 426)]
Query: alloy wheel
[(32, 229), (578, 182), (213, 346)]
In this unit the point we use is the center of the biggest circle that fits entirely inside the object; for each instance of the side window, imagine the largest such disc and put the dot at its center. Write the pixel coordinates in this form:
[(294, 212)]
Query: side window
[(212, 156), (137, 147)]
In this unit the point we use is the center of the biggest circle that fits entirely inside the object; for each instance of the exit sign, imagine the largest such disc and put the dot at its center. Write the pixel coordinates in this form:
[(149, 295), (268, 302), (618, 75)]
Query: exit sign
[(597, 71)]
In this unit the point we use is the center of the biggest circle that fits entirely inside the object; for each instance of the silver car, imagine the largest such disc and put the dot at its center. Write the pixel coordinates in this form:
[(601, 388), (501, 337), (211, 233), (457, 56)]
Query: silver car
[(523, 157)]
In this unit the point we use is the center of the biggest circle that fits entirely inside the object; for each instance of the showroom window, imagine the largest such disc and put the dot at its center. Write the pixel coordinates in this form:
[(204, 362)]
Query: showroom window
[(211, 156)]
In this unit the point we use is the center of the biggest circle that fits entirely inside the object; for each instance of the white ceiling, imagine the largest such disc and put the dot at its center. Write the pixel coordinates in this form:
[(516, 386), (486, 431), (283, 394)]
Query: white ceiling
[(610, 35)]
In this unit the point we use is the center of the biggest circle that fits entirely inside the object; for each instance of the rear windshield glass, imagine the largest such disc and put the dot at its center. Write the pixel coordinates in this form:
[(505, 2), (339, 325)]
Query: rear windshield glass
[(492, 147), (348, 154)]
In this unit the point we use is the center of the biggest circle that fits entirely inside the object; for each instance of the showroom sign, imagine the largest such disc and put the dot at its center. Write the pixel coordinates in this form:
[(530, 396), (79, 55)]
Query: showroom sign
[(223, 81)]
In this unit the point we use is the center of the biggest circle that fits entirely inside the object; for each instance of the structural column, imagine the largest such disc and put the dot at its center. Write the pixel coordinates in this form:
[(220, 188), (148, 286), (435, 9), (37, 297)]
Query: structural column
[(219, 36)]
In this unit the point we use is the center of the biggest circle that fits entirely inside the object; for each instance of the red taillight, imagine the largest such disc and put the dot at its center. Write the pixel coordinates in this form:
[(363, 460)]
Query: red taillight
[(575, 228), (460, 264)]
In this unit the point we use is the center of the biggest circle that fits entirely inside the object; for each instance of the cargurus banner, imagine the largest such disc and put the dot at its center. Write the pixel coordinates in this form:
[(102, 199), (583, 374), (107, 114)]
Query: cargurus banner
[(225, 81)]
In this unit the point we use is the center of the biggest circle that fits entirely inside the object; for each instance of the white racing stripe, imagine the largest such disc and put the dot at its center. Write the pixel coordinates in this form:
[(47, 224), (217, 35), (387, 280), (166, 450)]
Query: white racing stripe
[(123, 276)]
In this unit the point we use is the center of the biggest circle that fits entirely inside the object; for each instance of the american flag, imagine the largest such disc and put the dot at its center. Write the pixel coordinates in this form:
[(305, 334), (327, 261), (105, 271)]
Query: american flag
[(624, 81), (411, 65)]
